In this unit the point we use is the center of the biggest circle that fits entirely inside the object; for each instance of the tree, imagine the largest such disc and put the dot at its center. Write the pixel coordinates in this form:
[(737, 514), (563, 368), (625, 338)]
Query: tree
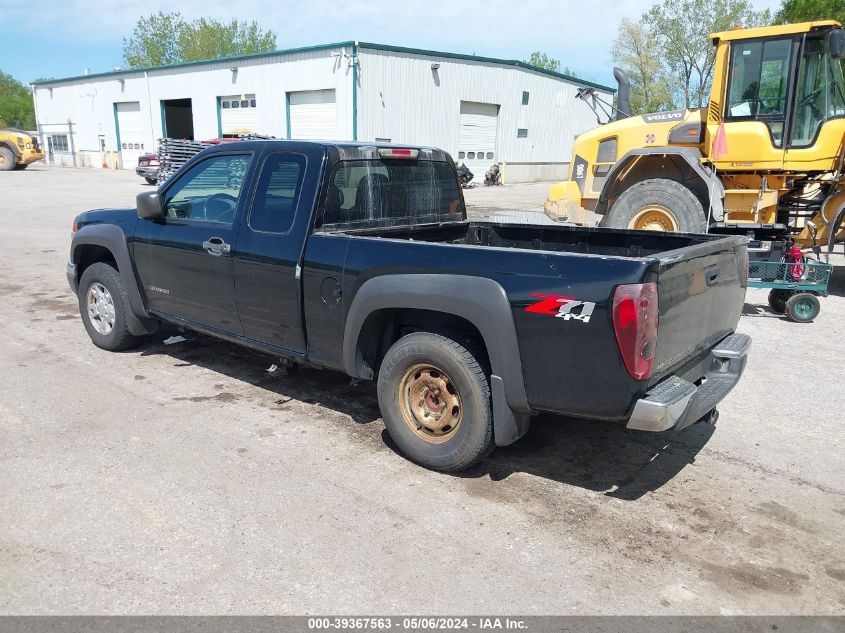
[(166, 38), (808, 10), (154, 41), (681, 29), (207, 39), (637, 53), (16, 107), (539, 59)]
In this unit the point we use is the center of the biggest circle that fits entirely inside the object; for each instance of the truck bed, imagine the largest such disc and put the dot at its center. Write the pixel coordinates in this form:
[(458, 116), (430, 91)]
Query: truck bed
[(700, 279), (560, 239)]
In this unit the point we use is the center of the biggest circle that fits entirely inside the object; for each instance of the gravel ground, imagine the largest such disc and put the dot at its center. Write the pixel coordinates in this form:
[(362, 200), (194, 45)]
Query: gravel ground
[(184, 479)]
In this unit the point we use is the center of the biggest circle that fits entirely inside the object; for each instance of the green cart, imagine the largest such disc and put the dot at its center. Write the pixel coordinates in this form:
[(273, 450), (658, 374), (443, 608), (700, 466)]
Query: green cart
[(795, 286)]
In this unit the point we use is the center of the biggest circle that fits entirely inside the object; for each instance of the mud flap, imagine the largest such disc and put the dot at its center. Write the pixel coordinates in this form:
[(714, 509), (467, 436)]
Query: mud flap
[(508, 426)]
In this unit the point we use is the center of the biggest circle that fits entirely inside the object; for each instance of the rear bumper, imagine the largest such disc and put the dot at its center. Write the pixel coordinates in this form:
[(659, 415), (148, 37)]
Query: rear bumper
[(147, 172), (677, 402)]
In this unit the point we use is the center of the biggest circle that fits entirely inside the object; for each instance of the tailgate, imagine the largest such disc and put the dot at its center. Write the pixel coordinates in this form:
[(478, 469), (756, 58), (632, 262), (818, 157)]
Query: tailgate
[(701, 291)]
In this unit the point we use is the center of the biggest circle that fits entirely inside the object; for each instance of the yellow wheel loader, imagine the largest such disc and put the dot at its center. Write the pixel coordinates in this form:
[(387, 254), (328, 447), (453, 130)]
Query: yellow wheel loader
[(765, 157), (18, 149)]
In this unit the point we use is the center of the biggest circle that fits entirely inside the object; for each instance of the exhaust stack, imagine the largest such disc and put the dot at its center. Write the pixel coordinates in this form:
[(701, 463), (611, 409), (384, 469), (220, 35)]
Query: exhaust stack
[(623, 96)]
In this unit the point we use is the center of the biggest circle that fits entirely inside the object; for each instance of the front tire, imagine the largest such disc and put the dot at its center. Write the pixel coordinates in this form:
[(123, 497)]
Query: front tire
[(434, 397), (21, 166), (657, 204), (104, 306), (151, 181), (7, 160)]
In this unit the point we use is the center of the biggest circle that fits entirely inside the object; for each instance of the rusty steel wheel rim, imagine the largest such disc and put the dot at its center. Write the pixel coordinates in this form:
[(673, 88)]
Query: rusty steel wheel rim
[(654, 217), (430, 403)]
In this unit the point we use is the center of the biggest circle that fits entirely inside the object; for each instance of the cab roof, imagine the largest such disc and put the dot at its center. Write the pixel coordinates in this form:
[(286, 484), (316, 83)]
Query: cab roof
[(742, 33), (344, 150)]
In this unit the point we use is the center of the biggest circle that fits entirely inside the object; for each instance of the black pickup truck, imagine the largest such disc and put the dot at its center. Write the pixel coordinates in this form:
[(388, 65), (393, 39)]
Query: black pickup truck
[(360, 258)]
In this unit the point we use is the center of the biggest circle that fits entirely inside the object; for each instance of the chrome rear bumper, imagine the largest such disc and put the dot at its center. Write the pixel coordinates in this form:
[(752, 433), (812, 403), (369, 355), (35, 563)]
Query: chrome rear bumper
[(678, 403)]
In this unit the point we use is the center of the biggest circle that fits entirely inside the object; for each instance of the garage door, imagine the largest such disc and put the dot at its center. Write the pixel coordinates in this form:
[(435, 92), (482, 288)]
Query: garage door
[(238, 115), (313, 114), (129, 133), (477, 137)]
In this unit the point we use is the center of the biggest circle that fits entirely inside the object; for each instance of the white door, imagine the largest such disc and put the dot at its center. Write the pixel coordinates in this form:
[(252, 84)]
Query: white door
[(313, 115), (129, 133), (477, 137), (238, 115)]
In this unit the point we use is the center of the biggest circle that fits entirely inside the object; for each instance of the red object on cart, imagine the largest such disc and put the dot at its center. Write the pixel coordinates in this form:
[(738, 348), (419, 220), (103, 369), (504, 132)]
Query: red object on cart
[(795, 257)]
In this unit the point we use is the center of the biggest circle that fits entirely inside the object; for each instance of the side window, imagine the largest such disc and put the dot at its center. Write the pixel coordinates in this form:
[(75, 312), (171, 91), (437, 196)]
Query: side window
[(209, 191), (759, 80), (277, 194)]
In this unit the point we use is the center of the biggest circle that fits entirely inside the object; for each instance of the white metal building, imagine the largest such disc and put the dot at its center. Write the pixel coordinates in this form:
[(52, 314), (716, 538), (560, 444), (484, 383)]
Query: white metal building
[(481, 110)]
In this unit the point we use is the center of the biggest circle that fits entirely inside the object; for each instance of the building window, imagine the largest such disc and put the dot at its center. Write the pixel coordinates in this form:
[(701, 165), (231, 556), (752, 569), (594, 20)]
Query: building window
[(524, 98), (471, 155), (461, 155), (224, 104), (489, 155), (252, 103), (236, 104), (522, 132), (59, 142)]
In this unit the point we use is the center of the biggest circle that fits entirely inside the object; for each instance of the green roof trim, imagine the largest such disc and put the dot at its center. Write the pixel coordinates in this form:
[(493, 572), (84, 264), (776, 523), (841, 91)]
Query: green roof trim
[(216, 60), (320, 47), (488, 60)]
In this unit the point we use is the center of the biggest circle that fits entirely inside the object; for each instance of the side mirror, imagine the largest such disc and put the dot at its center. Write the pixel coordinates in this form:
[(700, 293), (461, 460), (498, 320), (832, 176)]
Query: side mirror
[(149, 205), (837, 44)]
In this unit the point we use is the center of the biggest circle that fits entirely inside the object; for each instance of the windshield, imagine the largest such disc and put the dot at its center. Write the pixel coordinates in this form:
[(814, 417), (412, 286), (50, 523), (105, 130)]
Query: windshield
[(820, 94), (371, 193)]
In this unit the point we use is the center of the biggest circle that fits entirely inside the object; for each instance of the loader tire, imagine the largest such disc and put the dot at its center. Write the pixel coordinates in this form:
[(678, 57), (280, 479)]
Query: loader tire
[(657, 204)]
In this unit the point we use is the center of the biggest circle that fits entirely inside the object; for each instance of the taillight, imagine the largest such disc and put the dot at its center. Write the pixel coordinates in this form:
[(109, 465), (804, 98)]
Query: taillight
[(155, 162), (635, 324), (75, 227)]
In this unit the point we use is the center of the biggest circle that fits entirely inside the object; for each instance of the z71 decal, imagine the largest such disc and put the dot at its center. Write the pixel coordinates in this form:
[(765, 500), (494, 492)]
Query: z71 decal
[(561, 306)]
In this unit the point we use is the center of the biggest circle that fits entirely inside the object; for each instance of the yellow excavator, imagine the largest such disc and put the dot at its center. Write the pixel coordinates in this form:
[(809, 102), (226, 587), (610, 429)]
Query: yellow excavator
[(763, 158)]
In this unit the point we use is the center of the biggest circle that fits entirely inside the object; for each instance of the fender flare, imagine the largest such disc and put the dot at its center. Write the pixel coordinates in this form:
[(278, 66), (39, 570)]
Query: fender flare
[(113, 239), (482, 302), (690, 155)]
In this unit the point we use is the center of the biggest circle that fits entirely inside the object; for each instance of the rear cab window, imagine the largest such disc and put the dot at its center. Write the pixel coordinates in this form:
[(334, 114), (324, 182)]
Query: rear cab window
[(383, 193)]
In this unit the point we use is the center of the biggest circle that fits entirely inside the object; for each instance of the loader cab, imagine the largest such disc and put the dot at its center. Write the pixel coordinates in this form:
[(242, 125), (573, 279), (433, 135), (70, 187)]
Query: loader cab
[(774, 89)]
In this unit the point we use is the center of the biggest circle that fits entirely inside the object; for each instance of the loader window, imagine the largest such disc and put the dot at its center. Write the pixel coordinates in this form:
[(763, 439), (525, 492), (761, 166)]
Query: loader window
[(758, 84), (820, 95)]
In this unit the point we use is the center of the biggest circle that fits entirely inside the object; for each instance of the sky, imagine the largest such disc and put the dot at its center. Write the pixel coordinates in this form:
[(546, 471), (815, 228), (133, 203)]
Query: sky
[(63, 38)]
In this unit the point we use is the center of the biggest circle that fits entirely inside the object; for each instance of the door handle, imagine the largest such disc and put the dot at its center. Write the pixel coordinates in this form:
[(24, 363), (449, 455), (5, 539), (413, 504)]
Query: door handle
[(216, 246)]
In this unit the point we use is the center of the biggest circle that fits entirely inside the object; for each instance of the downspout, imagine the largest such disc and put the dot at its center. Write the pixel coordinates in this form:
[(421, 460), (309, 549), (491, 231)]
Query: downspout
[(355, 90), (219, 120), (37, 122), (149, 105)]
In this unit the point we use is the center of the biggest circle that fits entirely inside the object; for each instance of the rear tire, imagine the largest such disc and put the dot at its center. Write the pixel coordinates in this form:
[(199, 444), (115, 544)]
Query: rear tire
[(657, 204), (21, 166), (434, 397), (104, 306), (7, 159), (778, 299), (803, 307), (151, 181)]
